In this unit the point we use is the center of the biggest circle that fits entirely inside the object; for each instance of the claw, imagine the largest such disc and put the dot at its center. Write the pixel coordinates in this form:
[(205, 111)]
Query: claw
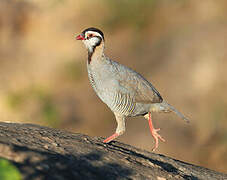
[(156, 136)]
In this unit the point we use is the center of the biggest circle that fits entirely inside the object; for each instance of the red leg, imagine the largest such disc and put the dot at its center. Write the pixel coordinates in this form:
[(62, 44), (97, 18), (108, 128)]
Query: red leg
[(120, 128), (115, 135), (154, 133)]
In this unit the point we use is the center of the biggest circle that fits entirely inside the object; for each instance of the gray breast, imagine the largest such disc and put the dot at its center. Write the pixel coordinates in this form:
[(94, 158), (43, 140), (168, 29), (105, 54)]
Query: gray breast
[(92, 81)]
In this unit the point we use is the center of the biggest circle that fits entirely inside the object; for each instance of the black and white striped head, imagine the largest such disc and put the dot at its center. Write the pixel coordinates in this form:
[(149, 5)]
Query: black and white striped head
[(91, 37)]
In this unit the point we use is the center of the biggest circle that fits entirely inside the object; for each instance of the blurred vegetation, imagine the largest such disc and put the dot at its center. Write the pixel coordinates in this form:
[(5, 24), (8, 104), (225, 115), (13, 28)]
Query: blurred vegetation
[(73, 71), (177, 45), (8, 171), (129, 13), (45, 108)]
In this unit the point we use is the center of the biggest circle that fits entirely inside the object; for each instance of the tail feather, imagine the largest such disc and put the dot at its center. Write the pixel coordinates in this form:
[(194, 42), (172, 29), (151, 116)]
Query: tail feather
[(168, 107)]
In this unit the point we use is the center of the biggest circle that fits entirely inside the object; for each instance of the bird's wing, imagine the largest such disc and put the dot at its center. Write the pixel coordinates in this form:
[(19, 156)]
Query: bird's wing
[(137, 87)]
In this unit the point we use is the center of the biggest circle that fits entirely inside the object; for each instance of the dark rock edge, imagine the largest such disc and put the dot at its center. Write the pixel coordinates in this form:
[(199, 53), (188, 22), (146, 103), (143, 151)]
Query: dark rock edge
[(46, 153)]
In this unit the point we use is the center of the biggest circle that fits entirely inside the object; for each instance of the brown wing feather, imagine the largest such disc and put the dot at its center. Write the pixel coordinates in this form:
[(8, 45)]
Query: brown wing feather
[(135, 85), (140, 89)]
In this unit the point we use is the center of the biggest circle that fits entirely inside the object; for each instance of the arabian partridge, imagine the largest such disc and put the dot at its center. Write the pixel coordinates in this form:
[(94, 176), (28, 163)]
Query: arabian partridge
[(125, 91)]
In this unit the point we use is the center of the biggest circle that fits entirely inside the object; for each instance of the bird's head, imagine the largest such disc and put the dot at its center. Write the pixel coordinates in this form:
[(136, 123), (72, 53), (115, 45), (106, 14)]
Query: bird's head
[(91, 37)]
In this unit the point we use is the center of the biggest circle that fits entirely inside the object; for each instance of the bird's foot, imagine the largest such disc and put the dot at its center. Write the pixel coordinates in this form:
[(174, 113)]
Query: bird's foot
[(107, 140), (156, 136)]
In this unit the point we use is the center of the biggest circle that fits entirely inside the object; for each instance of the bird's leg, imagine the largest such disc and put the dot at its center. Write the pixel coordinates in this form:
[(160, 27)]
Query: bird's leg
[(107, 140), (154, 132), (120, 128)]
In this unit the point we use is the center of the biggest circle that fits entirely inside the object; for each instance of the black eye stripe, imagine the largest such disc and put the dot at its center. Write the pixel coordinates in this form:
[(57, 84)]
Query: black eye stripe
[(95, 30), (89, 37)]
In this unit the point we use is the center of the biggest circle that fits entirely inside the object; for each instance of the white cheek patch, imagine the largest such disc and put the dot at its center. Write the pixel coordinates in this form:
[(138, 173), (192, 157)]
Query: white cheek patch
[(91, 42)]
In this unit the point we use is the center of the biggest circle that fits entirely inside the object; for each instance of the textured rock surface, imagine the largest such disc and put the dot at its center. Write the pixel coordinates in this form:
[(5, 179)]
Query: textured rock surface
[(45, 153)]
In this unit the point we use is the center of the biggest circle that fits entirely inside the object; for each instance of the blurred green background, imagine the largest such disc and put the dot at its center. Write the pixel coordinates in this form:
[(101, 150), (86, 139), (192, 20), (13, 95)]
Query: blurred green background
[(178, 45), (8, 171)]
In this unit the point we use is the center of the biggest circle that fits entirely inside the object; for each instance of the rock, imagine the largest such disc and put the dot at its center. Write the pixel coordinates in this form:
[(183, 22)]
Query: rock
[(45, 153)]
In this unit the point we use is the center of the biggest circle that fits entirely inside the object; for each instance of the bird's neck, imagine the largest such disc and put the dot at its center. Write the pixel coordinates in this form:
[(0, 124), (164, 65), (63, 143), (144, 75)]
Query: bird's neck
[(96, 53)]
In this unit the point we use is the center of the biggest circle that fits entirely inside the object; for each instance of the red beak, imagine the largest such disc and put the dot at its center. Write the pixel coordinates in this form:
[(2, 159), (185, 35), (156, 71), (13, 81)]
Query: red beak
[(80, 37)]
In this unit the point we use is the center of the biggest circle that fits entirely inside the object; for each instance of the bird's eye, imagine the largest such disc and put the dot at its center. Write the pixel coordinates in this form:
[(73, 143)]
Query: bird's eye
[(90, 35)]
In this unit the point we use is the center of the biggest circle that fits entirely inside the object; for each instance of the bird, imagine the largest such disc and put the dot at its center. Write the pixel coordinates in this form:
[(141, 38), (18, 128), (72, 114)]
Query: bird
[(126, 92)]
